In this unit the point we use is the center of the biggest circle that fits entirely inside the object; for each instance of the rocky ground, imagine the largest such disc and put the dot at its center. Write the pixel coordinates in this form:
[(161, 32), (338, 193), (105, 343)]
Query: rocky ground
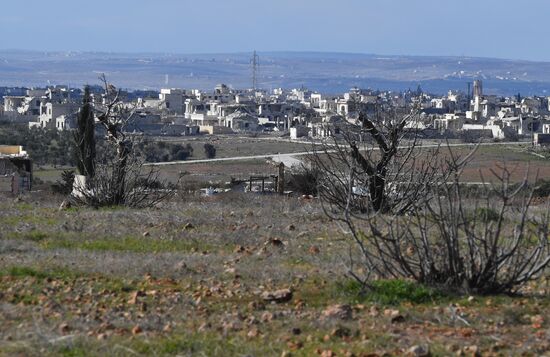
[(234, 274)]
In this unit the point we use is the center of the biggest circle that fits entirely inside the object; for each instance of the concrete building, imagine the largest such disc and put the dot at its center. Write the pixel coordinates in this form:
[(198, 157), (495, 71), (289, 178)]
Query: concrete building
[(173, 100), (298, 132), (241, 121), (15, 170), (12, 103), (50, 112)]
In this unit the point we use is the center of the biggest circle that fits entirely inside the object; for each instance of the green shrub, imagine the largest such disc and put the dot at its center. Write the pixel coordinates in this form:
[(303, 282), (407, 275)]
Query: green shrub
[(160, 151), (486, 214), (209, 151), (306, 181), (542, 188), (64, 185), (392, 292)]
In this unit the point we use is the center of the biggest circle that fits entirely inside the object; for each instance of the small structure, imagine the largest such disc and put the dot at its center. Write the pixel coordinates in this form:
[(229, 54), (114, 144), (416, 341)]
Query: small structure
[(215, 129), (277, 182), (541, 139), (263, 179), (15, 169), (298, 132), (241, 121)]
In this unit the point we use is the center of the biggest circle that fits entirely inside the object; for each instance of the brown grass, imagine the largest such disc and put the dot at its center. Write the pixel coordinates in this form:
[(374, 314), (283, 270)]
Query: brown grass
[(188, 279)]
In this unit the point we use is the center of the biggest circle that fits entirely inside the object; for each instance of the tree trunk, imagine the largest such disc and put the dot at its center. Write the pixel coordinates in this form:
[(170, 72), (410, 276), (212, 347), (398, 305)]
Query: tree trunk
[(120, 172), (377, 186)]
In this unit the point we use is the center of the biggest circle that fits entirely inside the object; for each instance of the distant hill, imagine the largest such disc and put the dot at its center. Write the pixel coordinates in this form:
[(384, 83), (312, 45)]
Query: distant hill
[(324, 72)]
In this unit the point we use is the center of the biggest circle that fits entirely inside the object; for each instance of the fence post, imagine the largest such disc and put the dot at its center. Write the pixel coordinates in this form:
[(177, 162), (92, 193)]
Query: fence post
[(281, 179)]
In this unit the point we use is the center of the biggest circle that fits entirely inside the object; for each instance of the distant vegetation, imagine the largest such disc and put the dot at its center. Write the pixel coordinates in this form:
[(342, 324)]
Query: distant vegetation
[(161, 151), (209, 151), (53, 147), (45, 146)]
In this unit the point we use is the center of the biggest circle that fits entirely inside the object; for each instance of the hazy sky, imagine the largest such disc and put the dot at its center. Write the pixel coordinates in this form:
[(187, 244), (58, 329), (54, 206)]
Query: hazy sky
[(487, 28)]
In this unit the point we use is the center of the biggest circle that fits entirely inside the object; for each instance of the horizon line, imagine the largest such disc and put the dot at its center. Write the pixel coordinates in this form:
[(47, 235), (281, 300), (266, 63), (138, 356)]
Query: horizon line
[(171, 53)]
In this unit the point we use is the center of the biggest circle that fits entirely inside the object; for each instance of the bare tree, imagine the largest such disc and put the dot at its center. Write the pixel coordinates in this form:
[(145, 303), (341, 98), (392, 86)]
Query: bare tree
[(142, 187), (491, 241), (378, 164), (113, 115), (120, 176), (410, 216)]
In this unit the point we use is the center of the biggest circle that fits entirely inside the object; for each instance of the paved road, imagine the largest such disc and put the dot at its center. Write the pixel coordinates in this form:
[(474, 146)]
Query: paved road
[(291, 160), (285, 158)]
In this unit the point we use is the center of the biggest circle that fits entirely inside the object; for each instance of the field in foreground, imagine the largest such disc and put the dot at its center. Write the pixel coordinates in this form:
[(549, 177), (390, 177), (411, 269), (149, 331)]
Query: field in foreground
[(192, 277)]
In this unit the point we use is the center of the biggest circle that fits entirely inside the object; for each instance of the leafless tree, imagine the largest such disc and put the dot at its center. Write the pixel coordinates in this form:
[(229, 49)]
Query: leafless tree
[(378, 163), (143, 186), (493, 241), (113, 115), (410, 216), (120, 176)]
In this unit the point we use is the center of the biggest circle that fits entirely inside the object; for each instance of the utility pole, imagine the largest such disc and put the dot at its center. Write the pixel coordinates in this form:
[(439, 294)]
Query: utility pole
[(255, 67)]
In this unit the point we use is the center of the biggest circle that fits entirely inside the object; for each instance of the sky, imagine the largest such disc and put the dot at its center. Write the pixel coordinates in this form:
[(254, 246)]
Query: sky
[(480, 28)]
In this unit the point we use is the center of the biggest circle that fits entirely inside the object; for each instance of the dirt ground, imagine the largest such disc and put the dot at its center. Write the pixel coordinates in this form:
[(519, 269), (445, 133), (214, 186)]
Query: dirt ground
[(516, 158), (201, 276), (235, 145)]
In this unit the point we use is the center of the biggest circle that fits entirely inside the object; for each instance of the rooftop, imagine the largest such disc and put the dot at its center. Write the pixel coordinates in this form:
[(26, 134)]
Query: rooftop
[(12, 151)]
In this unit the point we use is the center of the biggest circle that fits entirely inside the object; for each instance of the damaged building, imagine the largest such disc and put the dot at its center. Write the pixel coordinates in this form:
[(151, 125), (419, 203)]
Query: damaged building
[(15, 170)]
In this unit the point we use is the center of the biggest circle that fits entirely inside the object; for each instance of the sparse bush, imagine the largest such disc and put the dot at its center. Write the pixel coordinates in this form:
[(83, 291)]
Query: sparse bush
[(486, 214), (502, 246), (305, 181), (374, 166), (120, 178), (64, 186), (392, 292), (209, 151), (542, 188), (471, 136), (141, 187), (159, 151)]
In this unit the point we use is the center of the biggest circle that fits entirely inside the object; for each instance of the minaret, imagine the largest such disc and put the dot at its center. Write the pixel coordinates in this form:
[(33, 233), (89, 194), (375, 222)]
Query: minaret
[(478, 94)]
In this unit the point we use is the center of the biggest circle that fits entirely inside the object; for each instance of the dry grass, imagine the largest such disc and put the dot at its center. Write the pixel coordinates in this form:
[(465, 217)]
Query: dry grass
[(236, 145), (185, 278)]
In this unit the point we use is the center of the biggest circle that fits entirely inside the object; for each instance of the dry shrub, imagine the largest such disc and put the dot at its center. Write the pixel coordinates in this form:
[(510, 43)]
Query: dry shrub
[(494, 242)]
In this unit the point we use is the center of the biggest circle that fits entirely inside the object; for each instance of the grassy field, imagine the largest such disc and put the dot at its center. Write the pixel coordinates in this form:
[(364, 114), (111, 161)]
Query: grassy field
[(233, 145), (187, 277), (516, 157), (216, 173)]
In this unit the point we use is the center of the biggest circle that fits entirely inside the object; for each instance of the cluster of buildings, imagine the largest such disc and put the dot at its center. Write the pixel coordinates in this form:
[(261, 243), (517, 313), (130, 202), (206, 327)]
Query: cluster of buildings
[(298, 112), (489, 115), (49, 107)]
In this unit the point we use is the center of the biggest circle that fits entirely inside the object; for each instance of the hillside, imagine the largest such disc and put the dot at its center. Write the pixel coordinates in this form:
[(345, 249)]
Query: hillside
[(325, 72)]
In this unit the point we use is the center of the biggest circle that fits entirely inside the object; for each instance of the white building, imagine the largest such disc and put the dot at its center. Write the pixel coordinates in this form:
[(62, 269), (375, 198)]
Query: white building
[(50, 112), (241, 121), (12, 103)]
